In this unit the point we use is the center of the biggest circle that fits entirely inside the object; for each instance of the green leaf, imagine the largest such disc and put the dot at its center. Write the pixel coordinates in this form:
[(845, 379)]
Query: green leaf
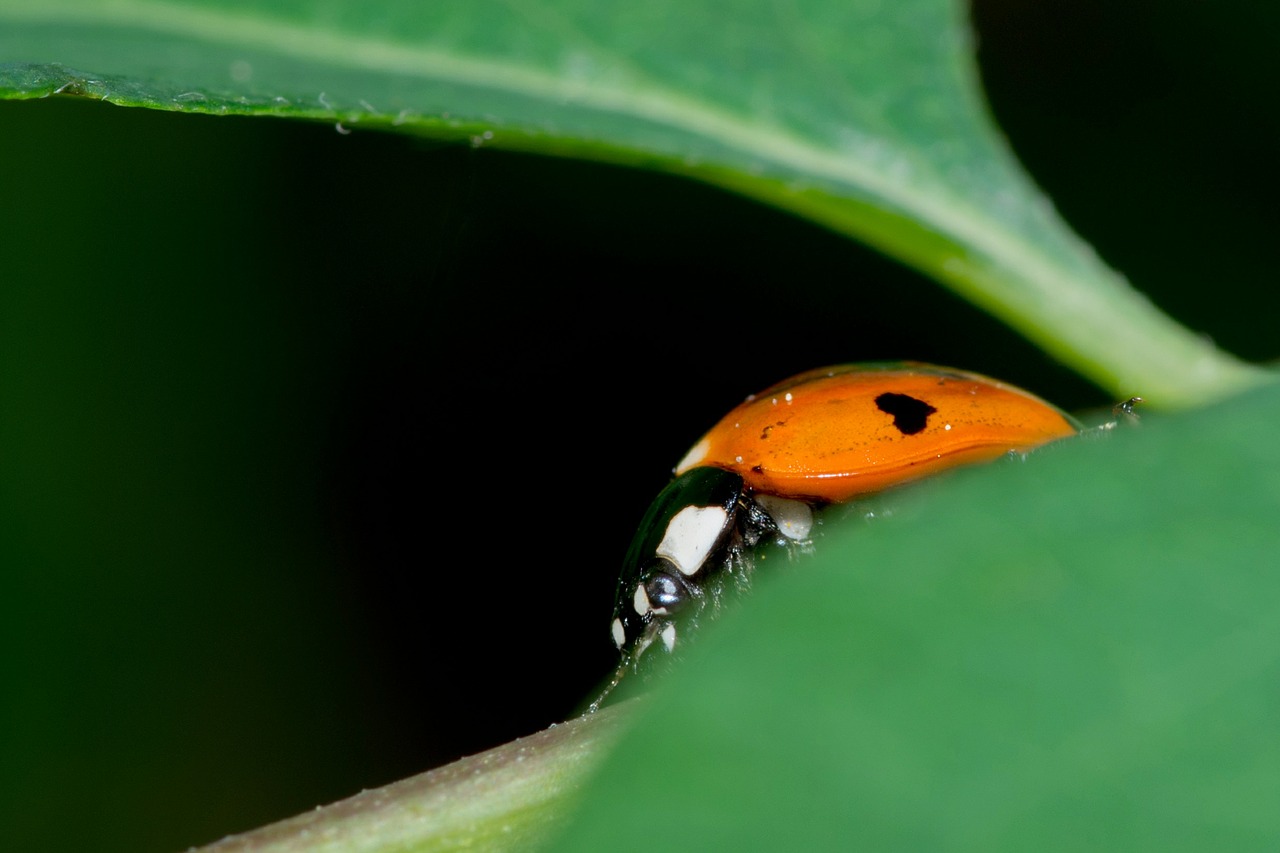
[(864, 116), (1077, 652)]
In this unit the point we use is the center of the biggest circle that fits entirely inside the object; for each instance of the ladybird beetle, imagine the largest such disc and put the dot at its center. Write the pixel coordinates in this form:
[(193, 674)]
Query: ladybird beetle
[(753, 485)]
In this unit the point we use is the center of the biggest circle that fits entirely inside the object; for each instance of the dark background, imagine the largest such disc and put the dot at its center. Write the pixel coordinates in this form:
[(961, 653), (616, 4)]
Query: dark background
[(319, 453)]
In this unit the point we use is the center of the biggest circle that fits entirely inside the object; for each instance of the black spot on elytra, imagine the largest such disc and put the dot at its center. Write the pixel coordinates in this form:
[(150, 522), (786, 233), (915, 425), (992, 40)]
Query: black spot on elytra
[(909, 414)]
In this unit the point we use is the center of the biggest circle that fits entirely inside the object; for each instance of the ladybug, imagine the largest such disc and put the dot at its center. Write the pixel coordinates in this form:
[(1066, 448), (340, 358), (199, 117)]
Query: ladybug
[(754, 486)]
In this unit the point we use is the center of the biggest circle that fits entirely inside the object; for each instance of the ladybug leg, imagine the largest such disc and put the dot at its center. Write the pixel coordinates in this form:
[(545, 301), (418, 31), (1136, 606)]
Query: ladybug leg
[(1125, 411), (1123, 414)]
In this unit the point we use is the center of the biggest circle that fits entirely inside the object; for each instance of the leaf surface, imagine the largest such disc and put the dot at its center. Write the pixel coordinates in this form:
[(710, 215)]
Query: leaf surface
[(1073, 653), (864, 116)]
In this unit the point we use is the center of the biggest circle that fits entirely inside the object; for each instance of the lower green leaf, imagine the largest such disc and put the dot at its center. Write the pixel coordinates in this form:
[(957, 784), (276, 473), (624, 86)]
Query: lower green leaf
[(1081, 652)]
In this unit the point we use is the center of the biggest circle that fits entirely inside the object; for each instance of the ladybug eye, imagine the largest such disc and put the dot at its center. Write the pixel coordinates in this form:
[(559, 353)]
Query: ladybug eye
[(662, 593), (665, 592)]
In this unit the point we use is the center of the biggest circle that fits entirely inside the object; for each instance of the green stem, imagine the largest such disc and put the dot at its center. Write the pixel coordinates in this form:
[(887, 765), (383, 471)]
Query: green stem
[(513, 797)]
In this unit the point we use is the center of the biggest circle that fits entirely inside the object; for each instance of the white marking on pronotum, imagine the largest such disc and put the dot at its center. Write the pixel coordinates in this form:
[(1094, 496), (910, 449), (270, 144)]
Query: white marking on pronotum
[(691, 535), (619, 633), (695, 455), (640, 601), (669, 637), (794, 518)]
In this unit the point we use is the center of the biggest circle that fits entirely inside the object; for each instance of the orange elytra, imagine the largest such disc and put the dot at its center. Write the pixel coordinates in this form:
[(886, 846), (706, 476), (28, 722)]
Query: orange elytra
[(834, 433)]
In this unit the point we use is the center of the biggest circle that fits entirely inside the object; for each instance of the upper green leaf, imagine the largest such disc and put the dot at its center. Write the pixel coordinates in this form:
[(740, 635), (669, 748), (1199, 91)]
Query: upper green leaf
[(865, 116)]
